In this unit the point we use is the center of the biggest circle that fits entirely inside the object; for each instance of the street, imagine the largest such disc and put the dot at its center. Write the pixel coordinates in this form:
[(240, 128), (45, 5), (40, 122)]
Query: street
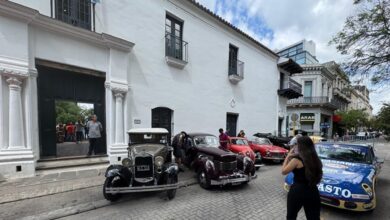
[(264, 198)]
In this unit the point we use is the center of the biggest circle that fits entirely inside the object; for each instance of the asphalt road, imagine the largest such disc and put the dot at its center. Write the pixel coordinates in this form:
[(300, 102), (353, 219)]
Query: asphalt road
[(263, 198)]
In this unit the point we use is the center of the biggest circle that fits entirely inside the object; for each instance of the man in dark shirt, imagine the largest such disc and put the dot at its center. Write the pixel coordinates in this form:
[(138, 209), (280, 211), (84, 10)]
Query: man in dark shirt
[(223, 139)]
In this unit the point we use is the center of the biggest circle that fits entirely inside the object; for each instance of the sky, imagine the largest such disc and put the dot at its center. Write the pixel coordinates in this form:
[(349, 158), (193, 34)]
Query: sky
[(280, 23)]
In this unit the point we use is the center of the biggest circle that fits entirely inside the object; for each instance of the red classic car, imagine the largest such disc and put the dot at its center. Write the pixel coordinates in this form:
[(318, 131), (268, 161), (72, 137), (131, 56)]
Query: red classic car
[(265, 150), (241, 146)]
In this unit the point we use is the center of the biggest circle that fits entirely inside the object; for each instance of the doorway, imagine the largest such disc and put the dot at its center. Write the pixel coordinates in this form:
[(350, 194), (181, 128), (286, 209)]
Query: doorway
[(65, 96), (231, 124), (162, 118), (71, 129)]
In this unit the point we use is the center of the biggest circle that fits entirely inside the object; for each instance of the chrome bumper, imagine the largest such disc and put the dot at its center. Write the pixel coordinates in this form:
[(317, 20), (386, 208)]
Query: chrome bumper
[(233, 179), (131, 189)]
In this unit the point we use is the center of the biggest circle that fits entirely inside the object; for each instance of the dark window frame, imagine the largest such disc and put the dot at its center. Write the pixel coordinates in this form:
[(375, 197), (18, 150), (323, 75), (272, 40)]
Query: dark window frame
[(74, 12), (233, 59), (175, 50)]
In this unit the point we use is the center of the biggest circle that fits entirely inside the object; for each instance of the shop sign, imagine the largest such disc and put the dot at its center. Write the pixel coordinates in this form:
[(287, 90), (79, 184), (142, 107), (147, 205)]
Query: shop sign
[(307, 117)]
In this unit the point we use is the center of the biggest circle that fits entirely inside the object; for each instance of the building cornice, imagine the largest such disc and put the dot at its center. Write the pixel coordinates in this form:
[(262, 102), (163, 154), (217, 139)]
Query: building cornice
[(231, 27), (33, 17), (319, 67)]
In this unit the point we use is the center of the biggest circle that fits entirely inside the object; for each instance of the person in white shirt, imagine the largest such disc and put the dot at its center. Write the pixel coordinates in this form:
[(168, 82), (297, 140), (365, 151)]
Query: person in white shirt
[(94, 133)]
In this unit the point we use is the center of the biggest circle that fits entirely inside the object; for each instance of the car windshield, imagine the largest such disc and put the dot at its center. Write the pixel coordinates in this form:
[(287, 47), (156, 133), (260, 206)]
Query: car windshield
[(148, 138), (347, 153), (211, 141), (263, 141), (239, 142)]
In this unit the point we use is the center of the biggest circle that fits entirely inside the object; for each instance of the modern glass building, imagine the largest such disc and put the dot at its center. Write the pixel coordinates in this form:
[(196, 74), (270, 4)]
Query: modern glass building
[(302, 52)]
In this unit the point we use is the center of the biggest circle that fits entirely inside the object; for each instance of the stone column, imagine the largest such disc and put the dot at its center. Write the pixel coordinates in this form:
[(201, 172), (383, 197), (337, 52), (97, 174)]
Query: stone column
[(119, 120), (16, 128)]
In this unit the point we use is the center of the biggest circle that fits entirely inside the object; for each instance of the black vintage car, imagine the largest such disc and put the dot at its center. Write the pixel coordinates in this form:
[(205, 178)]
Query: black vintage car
[(148, 167), (275, 140), (215, 166)]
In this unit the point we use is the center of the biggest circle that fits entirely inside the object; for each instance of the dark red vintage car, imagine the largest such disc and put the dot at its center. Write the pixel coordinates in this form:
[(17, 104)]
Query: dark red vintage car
[(265, 150), (215, 166)]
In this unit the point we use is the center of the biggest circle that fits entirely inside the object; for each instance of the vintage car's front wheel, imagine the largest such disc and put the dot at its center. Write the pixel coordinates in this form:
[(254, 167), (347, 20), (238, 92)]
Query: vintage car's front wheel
[(172, 192), (203, 179), (114, 181)]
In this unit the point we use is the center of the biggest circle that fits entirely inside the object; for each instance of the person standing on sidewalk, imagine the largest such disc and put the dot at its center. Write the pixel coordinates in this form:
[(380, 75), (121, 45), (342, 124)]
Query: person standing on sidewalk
[(94, 133), (223, 139), (307, 169), (79, 131)]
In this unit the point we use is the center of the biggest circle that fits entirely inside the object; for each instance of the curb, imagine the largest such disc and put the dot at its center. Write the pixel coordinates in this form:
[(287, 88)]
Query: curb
[(85, 207)]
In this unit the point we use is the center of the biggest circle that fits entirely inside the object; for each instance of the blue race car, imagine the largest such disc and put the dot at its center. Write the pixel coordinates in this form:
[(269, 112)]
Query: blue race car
[(349, 176)]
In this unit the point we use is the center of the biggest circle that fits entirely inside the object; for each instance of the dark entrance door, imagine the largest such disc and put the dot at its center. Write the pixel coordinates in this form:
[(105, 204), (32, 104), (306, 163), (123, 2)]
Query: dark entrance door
[(58, 84), (231, 124), (280, 124), (162, 118)]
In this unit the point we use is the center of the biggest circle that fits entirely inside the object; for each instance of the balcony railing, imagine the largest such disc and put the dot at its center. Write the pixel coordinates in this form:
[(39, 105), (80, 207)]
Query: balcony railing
[(80, 13), (314, 100), (343, 93), (290, 89), (176, 48), (293, 85), (236, 70)]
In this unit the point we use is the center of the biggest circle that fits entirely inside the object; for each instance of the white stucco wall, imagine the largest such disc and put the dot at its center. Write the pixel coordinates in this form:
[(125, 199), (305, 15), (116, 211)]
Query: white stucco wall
[(200, 94)]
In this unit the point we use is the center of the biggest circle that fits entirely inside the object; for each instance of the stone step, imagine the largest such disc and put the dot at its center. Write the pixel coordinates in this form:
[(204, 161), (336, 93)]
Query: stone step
[(77, 162)]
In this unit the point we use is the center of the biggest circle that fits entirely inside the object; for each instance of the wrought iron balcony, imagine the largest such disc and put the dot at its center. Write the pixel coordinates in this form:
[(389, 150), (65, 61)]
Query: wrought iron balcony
[(344, 94), (290, 89), (176, 51), (321, 101), (236, 70), (80, 13)]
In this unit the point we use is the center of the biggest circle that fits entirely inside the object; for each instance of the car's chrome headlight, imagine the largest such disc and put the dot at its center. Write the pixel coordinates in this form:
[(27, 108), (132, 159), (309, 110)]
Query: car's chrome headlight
[(367, 188), (126, 162), (159, 161)]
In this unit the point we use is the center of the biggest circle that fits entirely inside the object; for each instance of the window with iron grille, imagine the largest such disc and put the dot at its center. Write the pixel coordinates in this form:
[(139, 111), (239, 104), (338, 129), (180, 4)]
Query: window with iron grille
[(233, 58), (75, 12), (174, 35)]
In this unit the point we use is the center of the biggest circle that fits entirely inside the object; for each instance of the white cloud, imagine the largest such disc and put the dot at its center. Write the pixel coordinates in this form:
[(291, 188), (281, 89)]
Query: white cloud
[(292, 21)]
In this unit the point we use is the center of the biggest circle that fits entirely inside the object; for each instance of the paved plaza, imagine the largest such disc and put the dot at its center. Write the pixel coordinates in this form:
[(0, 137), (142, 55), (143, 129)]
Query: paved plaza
[(263, 198)]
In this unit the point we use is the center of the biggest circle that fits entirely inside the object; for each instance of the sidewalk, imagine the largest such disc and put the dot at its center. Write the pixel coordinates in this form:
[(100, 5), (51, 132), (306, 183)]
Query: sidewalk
[(55, 183)]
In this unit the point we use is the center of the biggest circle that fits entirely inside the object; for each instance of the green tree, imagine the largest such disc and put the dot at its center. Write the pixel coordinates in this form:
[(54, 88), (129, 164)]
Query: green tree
[(67, 111), (366, 38), (354, 119), (383, 118)]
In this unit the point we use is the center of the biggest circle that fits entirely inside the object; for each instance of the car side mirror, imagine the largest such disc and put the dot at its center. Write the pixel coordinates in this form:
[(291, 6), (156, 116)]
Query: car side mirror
[(380, 160)]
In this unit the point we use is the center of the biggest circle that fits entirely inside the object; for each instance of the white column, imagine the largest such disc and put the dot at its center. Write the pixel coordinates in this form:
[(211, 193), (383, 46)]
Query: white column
[(119, 120), (16, 128)]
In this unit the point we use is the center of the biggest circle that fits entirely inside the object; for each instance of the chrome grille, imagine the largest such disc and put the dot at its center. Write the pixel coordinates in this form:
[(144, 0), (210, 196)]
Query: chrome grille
[(143, 166), (226, 166), (277, 155)]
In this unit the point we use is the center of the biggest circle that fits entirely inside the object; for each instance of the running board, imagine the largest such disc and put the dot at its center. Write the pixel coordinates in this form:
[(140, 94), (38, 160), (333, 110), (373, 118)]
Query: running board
[(141, 188)]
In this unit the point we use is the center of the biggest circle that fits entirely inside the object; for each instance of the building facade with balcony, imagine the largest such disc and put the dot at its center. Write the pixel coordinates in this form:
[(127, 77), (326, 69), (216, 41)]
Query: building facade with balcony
[(154, 63), (360, 99), (313, 111)]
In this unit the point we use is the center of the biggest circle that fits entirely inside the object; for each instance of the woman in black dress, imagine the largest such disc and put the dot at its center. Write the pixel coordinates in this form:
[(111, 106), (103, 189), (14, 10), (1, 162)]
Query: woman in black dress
[(307, 169)]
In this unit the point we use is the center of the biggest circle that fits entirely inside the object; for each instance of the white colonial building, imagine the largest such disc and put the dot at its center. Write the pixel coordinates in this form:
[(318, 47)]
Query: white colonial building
[(150, 63)]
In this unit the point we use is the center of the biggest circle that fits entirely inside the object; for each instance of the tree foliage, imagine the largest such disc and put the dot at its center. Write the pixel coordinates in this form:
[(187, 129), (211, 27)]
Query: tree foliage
[(383, 118), (366, 38), (68, 111), (354, 119)]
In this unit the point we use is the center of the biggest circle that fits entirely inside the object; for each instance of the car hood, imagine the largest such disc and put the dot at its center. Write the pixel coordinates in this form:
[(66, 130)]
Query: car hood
[(153, 149), (339, 172), (271, 148), (217, 152), (240, 148)]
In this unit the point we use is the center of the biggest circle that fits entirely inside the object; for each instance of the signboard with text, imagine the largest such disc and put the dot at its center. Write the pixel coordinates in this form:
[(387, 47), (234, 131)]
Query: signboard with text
[(307, 117)]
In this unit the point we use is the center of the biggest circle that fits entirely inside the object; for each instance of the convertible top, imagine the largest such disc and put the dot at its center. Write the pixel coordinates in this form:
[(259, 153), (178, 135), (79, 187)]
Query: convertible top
[(148, 131)]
